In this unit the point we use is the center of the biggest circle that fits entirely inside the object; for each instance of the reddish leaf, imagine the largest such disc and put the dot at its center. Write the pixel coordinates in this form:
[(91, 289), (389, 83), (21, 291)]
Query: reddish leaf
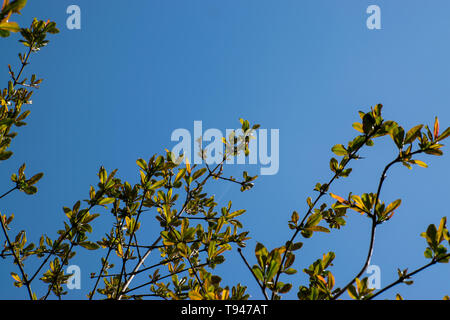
[(436, 128), (340, 199)]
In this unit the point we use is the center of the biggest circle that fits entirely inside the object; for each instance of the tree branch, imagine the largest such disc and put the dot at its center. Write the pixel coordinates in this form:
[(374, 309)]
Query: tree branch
[(374, 224), (263, 289), (16, 258), (299, 228), (409, 275), (149, 251)]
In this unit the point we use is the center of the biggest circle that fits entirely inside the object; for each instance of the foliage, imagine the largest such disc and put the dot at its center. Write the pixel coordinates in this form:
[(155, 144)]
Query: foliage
[(322, 281), (195, 233)]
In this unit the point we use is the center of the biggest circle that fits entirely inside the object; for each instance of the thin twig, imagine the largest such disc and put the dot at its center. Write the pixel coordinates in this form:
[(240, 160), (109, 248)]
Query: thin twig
[(60, 240), (150, 250), (263, 289), (373, 226), (16, 258), (8, 192), (322, 193), (101, 272), (161, 278), (409, 275), (64, 261), (125, 257)]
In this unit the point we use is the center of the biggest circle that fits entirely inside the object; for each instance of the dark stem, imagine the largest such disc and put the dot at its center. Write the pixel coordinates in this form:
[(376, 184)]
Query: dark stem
[(16, 258), (322, 193), (100, 274), (64, 262), (149, 251), (409, 275), (125, 257), (24, 63), (61, 239), (8, 192), (161, 278), (263, 289), (374, 225)]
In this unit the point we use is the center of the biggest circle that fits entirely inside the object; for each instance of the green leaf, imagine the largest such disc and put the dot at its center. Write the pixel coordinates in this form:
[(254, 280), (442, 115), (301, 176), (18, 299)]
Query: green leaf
[(339, 150), (435, 152), (441, 229), (352, 292), (258, 273), (358, 127), (30, 190), (317, 228), (211, 249), (273, 269), (142, 164), (158, 184), (105, 201), (368, 122), (290, 271), (398, 135), (377, 110), (119, 250), (444, 134), (285, 288), (261, 254), (35, 178), (392, 206), (431, 236), (198, 173), (333, 164), (89, 245), (5, 155), (102, 174), (356, 143), (15, 6), (236, 213), (328, 259), (346, 172), (10, 26), (413, 133), (180, 175), (296, 246), (4, 33), (313, 220)]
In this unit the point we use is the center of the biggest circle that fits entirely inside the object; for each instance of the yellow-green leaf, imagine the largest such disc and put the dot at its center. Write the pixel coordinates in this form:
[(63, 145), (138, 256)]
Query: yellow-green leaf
[(436, 128), (358, 127), (317, 228), (188, 166), (394, 205), (338, 198), (158, 184), (419, 163), (16, 277), (180, 175), (339, 150), (10, 26), (119, 250), (194, 295), (413, 133)]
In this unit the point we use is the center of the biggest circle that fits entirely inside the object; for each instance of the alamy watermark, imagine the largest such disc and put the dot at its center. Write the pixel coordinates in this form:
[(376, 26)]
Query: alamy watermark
[(74, 19), (374, 280), (374, 20), (233, 146), (74, 282)]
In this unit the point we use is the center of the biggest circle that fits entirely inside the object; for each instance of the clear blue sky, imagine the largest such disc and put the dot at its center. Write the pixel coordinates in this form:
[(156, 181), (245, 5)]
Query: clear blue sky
[(116, 89)]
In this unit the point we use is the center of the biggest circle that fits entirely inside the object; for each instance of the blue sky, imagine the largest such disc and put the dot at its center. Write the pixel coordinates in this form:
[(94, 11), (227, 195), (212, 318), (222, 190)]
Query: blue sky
[(115, 90)]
